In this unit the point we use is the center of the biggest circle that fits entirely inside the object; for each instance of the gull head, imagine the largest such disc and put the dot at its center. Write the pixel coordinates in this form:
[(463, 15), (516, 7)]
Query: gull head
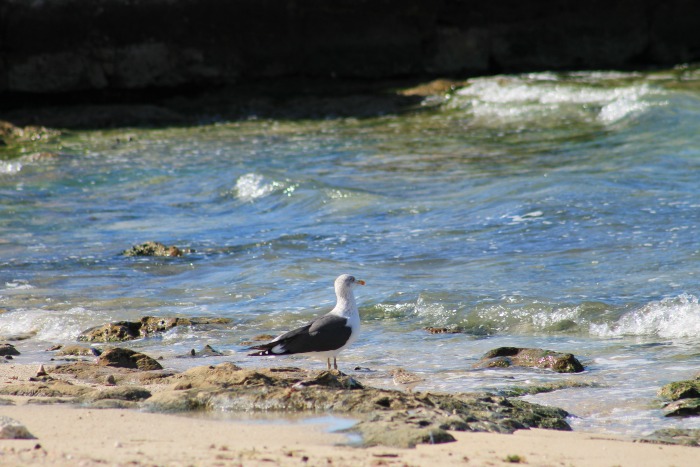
[(345, 283)]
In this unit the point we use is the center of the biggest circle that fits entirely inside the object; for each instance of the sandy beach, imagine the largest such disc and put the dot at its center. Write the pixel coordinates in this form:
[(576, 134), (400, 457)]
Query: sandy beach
[(70, 435)]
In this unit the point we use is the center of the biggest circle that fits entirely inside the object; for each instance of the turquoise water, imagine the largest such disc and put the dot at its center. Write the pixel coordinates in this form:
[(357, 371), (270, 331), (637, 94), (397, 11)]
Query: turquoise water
[(552, 210)]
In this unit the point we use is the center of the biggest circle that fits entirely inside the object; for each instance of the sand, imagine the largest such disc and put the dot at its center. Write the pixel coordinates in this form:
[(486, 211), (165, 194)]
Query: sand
[(67, 435)]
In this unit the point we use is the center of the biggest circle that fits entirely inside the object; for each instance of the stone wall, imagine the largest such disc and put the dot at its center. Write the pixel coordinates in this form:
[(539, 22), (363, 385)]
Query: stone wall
[(52, 46)]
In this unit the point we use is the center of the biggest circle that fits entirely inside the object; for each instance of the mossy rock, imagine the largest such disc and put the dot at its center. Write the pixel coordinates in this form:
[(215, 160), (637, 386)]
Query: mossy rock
[(680, 390)]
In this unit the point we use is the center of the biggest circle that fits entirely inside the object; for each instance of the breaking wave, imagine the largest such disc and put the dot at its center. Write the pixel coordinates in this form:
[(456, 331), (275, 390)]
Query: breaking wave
[(252, 186), (677, 317), (537, 97)]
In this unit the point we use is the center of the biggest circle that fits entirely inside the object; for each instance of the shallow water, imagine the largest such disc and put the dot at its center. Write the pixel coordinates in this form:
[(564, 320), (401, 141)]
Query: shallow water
[(550, 210)]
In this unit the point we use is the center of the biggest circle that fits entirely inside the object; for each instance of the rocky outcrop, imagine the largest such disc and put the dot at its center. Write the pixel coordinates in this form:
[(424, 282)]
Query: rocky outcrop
[(77, 45), (503, 357), (148, 325), (388, 417)]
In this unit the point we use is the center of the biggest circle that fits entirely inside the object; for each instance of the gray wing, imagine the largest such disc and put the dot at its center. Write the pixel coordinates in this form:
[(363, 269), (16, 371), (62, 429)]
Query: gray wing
[(327, 332)]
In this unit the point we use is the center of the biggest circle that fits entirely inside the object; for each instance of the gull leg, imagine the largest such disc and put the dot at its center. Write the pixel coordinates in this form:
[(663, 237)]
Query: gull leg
[(335, 364), (328, 360)]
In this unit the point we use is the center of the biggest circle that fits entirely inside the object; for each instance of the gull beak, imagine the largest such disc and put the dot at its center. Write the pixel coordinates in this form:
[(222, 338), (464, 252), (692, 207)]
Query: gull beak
[(361, 282)]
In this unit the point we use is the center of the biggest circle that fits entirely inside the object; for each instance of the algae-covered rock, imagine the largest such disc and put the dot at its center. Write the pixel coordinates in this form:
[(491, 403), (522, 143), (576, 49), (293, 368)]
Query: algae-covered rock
[(127, 358), (535, 358), (680, 390), (121, 331), (8, 349), (155, 249)]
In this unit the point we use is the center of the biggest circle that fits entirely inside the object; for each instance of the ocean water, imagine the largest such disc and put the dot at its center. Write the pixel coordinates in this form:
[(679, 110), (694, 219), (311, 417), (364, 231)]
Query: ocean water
[(559, 211)]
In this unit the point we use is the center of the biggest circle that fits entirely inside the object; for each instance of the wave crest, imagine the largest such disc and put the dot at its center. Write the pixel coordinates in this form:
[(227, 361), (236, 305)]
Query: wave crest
[(676, 317)]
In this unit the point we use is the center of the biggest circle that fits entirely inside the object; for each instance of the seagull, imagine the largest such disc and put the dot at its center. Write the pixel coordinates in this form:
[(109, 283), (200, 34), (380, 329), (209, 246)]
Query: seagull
[(326, 335)]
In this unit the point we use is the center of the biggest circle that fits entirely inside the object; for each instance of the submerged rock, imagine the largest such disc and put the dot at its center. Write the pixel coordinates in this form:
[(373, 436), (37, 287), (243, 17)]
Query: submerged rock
[(126, 358), (8, 349), (681, 436), (207, 351), (503, 357), (12, 429), (121, 331), (155, 249), (433, 330)]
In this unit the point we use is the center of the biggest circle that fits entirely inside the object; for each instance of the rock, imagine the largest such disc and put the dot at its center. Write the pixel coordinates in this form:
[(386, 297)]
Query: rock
[(503, 357), (97, 374), (207, 351), (681, 436), (126, 393), (8, 349), (12, 429), (432, 330), (402, 430), (75, 351), (155, 249), (112, 332), (683, 408), (121, 331), (680, 390), (126, 358), (51, 388), (402, 376)]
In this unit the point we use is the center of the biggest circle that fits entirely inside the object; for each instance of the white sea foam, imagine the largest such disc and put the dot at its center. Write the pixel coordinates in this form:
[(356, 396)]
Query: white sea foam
[(531, 97), (677, 317), (252, 186), (10, 168), (49, 325)]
